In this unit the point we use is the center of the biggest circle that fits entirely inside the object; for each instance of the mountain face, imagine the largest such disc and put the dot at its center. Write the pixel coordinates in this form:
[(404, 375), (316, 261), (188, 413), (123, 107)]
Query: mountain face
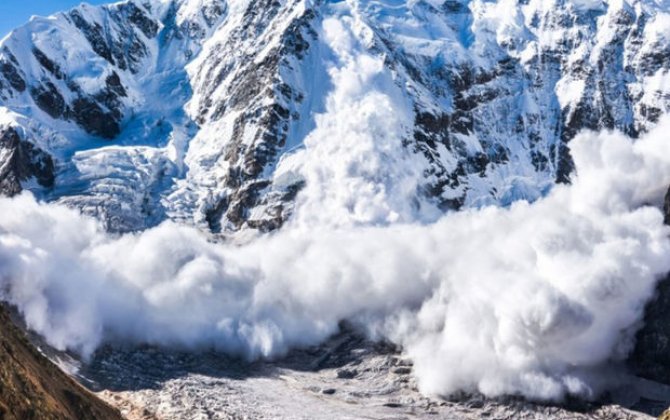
[(204, 111)]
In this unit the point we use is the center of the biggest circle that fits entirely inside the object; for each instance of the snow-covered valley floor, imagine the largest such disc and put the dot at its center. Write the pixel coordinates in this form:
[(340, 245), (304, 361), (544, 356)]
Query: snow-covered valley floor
[(347, 377)]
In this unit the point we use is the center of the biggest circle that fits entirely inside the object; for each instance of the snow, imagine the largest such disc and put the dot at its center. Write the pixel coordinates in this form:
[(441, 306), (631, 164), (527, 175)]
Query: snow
[(569, 91)]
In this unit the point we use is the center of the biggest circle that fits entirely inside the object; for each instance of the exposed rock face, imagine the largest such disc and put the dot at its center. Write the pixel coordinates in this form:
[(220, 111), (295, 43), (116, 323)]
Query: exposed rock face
[(200, 100), (31, 387), (20, 161), (651, 357)]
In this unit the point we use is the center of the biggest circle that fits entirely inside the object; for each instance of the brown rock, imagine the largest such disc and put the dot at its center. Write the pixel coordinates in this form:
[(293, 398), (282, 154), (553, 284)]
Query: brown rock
[(31, 387)]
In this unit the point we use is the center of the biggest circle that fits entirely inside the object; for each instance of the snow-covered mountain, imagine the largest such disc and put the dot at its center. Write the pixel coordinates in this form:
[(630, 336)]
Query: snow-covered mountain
[(211, 112)]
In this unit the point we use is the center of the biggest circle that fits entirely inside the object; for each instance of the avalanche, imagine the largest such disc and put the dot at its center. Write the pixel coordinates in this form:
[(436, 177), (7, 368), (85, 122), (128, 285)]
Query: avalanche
[(354, 126)]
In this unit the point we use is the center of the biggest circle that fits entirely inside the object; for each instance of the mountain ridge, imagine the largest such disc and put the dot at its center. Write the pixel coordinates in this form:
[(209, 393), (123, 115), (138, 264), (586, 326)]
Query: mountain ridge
[(205, 104)]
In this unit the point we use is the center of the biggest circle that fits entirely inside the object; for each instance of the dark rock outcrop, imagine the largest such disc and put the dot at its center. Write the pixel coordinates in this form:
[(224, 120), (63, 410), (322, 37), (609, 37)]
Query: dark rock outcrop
[(651, 357), (22, 161)]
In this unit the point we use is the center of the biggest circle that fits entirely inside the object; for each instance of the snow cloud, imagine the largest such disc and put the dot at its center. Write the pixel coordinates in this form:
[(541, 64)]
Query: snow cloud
[(530, 299)]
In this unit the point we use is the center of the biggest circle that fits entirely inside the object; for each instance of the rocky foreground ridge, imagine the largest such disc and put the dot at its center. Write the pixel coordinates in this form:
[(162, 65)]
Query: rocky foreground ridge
[(31, 387)]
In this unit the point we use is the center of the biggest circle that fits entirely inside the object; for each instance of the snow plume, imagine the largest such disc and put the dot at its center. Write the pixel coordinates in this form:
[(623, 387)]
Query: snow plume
[(526, 300), (357, 169), (533, 299)]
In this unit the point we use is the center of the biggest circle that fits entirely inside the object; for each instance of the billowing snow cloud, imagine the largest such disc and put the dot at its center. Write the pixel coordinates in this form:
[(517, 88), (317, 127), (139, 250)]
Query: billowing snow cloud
[(354, 162), (531, 299)]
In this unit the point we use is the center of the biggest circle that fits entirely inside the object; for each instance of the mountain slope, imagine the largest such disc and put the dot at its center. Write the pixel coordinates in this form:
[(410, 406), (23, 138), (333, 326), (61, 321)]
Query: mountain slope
[(214, 112), (31, 387)]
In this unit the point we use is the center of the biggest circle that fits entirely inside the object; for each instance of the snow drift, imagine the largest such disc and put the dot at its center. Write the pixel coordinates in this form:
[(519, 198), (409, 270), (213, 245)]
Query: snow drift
[(532, 299)]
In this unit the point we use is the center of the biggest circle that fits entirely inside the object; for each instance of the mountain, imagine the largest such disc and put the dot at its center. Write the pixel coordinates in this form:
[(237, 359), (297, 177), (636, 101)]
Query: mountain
[(204, 111), (31, 387), (239, 116)]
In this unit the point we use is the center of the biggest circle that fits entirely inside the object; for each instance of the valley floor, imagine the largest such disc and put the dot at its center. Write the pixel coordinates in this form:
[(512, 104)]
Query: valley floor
[(346, 378)]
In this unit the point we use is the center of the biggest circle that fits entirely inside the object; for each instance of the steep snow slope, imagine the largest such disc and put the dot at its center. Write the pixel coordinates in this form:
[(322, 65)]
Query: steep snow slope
[(212, 112)]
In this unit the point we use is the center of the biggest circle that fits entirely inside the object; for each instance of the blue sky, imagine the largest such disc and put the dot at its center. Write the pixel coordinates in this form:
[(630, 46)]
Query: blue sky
[(16, 12)]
